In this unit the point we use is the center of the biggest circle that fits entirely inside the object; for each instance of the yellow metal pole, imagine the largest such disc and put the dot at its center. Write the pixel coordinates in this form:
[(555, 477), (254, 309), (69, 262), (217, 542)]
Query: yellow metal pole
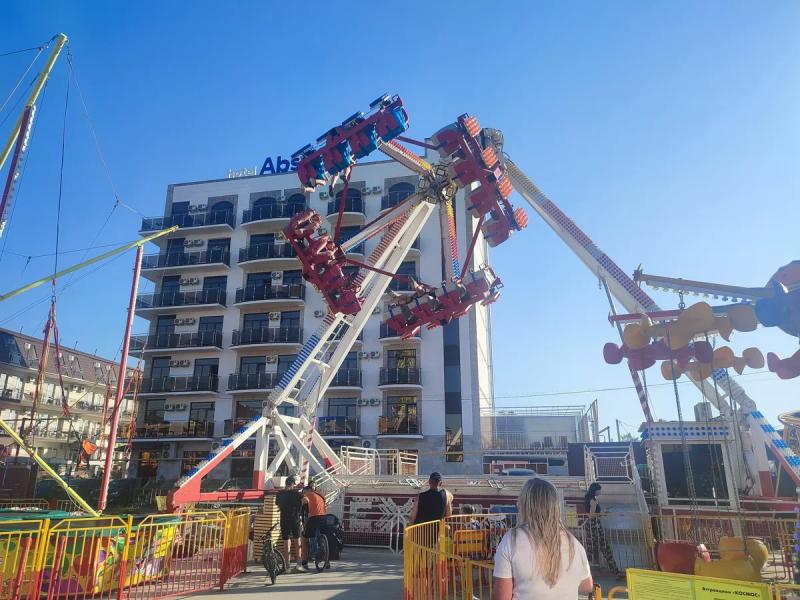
[(61, 40), (48, 469), (86, 263)]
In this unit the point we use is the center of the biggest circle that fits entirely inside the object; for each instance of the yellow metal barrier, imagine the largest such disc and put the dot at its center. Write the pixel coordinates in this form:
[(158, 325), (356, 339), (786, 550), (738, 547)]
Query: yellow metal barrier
[(20, 545), (23, 503), (785, 591)]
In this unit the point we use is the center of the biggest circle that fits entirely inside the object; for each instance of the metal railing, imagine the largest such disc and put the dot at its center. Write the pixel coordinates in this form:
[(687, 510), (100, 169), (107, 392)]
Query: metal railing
[(178, 298), (193, 219), (295, 291), (614, 464), (346, 378), (252, 381), (267, 250), (398, 426), (180, 429), (266, 335), (400, 376), (385, 332), (338, 425), (196, 339), (351, 205), (520, 440), (231, 426), (280, 210), (184, 383), (185, 259)]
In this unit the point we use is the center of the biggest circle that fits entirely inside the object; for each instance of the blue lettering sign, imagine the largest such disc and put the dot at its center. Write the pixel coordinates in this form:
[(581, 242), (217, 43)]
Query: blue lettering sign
[(279, 165)]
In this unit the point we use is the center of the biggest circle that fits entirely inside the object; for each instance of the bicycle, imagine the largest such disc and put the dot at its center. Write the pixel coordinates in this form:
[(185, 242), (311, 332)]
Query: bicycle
[(273, 561), (319, 550)]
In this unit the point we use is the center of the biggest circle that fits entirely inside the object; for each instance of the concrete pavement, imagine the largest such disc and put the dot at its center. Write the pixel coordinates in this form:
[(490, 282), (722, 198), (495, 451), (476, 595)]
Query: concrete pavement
[(363, 573)]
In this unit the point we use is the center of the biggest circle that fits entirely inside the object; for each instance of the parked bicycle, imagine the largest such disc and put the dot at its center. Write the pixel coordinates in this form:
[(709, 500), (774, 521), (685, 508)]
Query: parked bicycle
[(273, 561), (319, 550)]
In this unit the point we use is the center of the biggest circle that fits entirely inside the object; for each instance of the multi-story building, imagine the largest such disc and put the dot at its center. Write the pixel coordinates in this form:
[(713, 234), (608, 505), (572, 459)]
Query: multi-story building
[(230, 311), (56, 435)]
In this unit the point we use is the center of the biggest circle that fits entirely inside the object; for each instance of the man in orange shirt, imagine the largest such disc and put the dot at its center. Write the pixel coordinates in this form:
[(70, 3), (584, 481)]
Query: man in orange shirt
[(315, 504)]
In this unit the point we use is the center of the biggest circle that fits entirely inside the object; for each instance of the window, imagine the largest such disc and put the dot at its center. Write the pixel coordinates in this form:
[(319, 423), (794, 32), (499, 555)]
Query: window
[(290, 319), (401, 415), (210, 324), (255, 321), (159, 367), (548, 441), (293, 277), (174, 251), (217, 250), (262, 239), (350, 361), (154, 411), (221, 212), (202, 412), (284, 362), (402, 359), (170, 284), (206, 367), (148, 464), (563, 441), (404, 283), (399, 192), (180, 208), (165, 325), (342, 407), (215, 283), (454, 433), (259, 280), (296, 203), (252, 365), (353, 202), (248, 409)]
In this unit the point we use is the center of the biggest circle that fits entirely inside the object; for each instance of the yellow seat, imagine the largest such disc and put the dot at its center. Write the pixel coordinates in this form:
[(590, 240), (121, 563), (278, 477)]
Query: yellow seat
[(470, 543)]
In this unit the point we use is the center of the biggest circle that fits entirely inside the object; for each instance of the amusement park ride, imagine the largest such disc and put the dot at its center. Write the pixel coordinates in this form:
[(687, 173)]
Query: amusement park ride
[(469, 159)]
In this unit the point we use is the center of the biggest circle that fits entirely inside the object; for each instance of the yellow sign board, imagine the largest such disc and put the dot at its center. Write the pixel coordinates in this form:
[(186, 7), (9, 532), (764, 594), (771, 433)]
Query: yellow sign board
[(655, 585)]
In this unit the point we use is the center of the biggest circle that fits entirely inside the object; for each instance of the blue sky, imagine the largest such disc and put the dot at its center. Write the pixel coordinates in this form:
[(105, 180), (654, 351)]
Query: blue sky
[(669, 131)]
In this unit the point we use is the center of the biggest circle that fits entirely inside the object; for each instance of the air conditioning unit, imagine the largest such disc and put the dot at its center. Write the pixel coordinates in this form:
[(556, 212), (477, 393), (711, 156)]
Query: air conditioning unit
[(376, 189), (165, 453), (97, 365), (362, 401), (190, 280), (374, 401), (374, 354), (366, 444), (319, 313), (215, 445), (180, 363), (274, 316), (28, 346), (363, 354), (272, 359), (323, 195), (277, 275)]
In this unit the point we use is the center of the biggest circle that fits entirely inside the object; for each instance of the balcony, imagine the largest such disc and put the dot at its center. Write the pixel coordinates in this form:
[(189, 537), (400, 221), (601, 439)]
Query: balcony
[(269, 293), (402, 285), (388, 334), (178, 299), (213, 219), (338, 426), (347, 378), (176, 341), (266, 335), (231, 426), (238, 382), (259, 252), (175, 429), (400, 376), (521, 440), (399, 426), (182, 260), (186, 384), (351, 205), (281, 210)]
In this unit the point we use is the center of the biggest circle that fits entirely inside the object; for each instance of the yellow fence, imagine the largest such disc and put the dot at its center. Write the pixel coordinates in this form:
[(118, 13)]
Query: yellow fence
[(454, 558), (157, 556)]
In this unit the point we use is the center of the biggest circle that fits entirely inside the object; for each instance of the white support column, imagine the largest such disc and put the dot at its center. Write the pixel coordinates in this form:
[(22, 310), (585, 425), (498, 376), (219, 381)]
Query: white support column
[(298, 444)]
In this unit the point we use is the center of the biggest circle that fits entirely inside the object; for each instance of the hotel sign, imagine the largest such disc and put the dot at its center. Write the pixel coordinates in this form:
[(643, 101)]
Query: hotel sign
[(270, 167)]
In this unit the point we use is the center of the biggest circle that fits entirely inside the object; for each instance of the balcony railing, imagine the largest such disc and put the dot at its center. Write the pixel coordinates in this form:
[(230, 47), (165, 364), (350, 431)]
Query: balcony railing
[(351, 205), (272, 211), (398, 426), (267, 335), (186, 383), (194, 219), (338, 425), (392, 199), (185, 259), (388, 333), (296, 291), (198, 339), (400, 376), (180, 429), (347, 378), (233, 425), (521, 440), (403, 284), (178, 298), (264, 251), (252, 381)]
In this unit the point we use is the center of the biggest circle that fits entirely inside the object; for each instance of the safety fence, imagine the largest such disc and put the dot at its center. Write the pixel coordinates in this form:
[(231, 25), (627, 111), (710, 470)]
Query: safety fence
[(156, 556), (454, 558)]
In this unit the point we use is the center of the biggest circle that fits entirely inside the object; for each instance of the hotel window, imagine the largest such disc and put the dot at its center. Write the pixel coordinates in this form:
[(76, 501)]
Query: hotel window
[(192, 458)]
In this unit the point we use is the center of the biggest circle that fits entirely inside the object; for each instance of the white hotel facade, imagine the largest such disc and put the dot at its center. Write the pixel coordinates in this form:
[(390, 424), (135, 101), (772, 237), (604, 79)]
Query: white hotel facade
[(228, 310)]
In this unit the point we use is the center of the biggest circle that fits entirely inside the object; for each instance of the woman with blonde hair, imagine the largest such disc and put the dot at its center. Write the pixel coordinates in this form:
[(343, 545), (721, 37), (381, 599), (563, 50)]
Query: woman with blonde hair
[(539, 558)]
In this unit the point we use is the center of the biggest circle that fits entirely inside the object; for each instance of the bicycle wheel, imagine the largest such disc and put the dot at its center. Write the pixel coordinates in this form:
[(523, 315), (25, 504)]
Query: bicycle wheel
[(322, 556), (270, 562), (281, 563)]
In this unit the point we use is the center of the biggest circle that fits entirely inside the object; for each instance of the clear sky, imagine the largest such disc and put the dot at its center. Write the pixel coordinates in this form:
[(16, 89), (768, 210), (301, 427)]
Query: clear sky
[(669, 131)]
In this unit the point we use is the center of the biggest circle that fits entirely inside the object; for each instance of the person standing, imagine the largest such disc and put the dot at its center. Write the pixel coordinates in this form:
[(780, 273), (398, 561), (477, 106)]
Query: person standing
[(433, 504), (314, 504), (598, 543), (539, 558), (289, 501)]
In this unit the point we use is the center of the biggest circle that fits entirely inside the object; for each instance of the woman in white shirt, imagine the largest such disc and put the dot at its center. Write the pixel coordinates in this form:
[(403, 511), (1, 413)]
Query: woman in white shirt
[(539, 559)]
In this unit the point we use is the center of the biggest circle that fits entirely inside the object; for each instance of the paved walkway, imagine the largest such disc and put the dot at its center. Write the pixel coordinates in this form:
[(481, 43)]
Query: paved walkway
[(363, 573)]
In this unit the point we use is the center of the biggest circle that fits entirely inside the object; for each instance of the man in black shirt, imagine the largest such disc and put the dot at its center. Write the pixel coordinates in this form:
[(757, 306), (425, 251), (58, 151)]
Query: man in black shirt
[(432, 505), (289, 501)]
